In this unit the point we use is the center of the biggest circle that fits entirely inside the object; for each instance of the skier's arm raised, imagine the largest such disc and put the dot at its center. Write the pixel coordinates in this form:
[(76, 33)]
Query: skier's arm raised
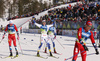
[(51, 25), (39, 25)]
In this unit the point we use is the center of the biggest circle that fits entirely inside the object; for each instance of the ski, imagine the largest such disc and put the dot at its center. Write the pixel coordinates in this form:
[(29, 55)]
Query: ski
[(54, 53), (78, 56), (45, 52), (41, 57), (54, 57), (58, 53), (6, 57), (14, 57)]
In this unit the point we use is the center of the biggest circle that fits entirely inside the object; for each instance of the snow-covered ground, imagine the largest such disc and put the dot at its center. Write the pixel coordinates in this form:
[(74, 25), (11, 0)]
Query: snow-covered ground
[(30, 47)]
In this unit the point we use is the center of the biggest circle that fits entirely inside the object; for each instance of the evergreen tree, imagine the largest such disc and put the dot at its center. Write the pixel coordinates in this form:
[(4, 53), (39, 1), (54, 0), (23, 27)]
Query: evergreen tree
[(2, 8)]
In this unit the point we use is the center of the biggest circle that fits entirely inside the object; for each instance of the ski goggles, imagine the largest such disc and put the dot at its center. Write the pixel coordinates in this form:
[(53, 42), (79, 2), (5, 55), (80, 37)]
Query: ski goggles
[(89, 26)]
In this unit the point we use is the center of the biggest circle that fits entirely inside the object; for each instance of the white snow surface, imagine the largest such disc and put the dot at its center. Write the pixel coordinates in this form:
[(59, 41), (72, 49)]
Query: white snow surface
[(30, 47), (18, 22)]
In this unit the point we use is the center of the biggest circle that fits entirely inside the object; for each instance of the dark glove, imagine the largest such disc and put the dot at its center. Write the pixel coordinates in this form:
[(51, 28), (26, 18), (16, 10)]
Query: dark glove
[(55, 37), (86, 49), (53, 23), (34, 21), (17, 36), (4, 35), (97, 52)]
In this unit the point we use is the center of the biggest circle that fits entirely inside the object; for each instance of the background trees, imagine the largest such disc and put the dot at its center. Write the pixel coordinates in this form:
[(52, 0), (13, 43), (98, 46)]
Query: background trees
[(13, 8)]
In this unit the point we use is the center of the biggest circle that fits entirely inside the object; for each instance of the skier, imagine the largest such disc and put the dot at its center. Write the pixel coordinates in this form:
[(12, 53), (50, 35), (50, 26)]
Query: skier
[(96, 36), (44, 28), (99, 39), (94, 33), (11, 36), (51, 36), (82, 35)]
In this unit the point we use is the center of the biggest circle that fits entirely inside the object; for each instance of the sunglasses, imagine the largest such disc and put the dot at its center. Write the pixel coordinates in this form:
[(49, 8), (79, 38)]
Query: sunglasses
[(89, 26)]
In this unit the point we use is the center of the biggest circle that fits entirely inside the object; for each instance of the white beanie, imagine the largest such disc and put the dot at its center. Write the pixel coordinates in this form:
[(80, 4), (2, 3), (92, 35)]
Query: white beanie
[(10, 22), (43, 21)]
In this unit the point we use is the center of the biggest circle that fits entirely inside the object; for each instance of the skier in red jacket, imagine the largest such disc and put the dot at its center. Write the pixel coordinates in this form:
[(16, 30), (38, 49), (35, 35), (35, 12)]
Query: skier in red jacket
[(82, 35), (11, 28)]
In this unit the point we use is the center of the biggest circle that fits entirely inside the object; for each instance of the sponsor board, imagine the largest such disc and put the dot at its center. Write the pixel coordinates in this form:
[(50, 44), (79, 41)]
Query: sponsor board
[(31, 31), (60, 32), (69, 32)]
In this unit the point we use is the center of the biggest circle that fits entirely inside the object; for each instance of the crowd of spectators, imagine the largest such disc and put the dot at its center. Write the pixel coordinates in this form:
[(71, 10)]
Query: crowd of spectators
[(30, 14), (78, 13), (36, 13)]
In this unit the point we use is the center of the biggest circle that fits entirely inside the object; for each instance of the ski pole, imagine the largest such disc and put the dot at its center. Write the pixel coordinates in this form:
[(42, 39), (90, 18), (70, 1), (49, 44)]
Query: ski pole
[(44, 46), (20, 47), (79, 56), (1, 40), (88, 54), (73, 56), (97, 41), (24, 23), (60, 44)]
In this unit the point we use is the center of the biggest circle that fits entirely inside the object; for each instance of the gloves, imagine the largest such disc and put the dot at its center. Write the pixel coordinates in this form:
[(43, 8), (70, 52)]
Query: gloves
[(81, 42), (55, 37), (17, 36), (53, 23), (33, 17), (95, 37), (3, 36), (97, 52), (86, 49), (34, 21)]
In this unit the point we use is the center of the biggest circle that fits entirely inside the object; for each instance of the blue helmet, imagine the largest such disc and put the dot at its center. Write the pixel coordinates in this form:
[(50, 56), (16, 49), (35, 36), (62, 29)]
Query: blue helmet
[(33, 16)]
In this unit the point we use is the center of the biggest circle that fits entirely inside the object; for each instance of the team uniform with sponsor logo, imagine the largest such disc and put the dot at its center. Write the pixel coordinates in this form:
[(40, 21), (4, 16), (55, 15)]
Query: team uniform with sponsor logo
[(80, 44), (11, 28), (43, 37), (51, 36)]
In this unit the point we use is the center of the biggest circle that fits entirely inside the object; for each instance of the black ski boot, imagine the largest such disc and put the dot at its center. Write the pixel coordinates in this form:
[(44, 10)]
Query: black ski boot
[(51, 54), (38, 54), (16, 53), (45, 50), (99, 46), (10, 54), (55, 51)]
